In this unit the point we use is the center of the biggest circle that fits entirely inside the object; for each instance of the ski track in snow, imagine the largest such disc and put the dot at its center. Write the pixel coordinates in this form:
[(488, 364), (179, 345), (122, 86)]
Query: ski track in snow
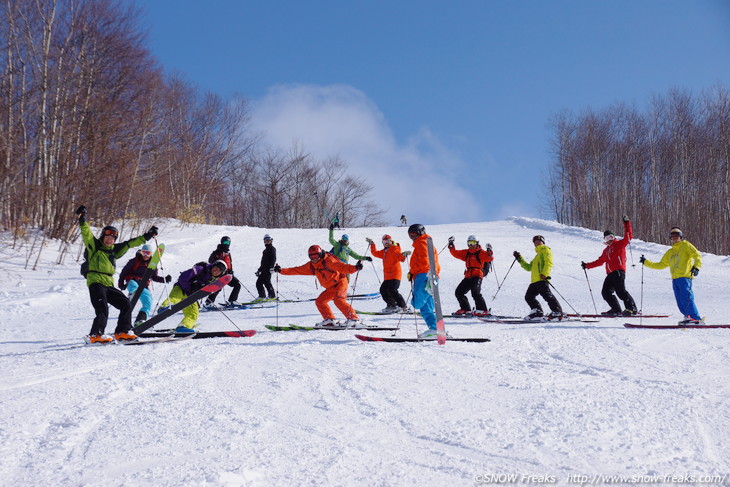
[(322, 408)]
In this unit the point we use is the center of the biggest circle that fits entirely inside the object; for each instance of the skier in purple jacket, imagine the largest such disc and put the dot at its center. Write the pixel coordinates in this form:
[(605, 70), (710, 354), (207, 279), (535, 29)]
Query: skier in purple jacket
[(190, 281)]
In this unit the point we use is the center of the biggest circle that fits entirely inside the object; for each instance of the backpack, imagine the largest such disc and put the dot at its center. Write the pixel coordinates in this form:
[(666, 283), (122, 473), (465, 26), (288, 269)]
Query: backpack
[(85, 264)]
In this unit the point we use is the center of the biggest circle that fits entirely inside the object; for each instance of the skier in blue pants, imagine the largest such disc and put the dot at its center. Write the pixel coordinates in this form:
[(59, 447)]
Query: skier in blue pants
[(419, 267)]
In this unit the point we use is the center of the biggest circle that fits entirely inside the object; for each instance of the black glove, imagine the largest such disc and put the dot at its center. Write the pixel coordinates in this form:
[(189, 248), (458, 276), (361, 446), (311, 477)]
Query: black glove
[(626, 218), (584, 265), (694, 271), (122, 285), (258, 273), (369, 259), (642, 259), (277, 268), (81, 212), (517, 255), (152, 232), (409, 276), (332, 226), (451, 242), (358, 265), (168, 278)]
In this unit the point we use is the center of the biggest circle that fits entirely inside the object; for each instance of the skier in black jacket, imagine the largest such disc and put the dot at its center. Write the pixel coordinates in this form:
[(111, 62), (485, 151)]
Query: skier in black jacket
[(268, 259), (223, 252)]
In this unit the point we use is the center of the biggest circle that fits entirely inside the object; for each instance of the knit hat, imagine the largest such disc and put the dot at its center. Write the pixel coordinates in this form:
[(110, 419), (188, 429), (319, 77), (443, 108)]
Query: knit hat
[(607, 233)]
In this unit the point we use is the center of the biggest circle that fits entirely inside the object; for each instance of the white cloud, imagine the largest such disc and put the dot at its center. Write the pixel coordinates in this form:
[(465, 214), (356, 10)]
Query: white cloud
[(419, 178)]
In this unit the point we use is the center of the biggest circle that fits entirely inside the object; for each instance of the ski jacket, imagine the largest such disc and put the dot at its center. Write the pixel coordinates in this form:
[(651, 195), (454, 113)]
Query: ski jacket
[(680, 259), (134, 270), (614, 255), (419, 259), (329, 270), (195, 278), (102, 259), (392, 257), (268, 258), (542, 263), (342, 252), (221, 253), (474, 259)]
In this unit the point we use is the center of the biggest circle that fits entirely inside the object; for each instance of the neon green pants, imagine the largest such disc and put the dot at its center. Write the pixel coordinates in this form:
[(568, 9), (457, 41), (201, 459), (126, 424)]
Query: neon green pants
[(190, 313)]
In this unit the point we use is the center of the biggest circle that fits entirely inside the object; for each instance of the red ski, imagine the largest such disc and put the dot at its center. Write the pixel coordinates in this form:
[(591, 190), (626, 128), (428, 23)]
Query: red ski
[(673, 327)]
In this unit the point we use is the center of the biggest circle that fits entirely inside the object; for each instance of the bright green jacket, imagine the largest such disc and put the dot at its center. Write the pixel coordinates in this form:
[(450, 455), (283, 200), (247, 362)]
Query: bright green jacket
[(680, 259), (541, 264), (102, 259), (342, 252)]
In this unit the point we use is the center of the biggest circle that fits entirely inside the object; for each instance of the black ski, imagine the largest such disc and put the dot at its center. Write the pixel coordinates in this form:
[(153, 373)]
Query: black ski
[(205, 334), (199, 294), (405, 340)]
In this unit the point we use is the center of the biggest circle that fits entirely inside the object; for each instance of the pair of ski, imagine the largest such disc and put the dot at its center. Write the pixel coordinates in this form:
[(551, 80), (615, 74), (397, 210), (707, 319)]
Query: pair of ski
[(514, 320), (440, 326), (201, 293), (639, 315), (673, 327), (330, 328), (356, 297)]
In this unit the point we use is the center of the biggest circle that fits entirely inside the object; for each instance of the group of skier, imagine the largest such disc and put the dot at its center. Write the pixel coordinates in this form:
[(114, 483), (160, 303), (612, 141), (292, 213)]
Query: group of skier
[(332, 270)]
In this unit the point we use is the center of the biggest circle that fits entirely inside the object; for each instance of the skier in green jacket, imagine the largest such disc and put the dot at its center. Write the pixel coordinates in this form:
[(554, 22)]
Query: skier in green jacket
[(540, 268), (102, 254), (341, 249)]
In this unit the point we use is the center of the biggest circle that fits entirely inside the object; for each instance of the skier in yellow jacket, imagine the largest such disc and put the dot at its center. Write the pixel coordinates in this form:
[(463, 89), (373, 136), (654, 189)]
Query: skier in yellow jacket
[(684, 262), (540, 268)]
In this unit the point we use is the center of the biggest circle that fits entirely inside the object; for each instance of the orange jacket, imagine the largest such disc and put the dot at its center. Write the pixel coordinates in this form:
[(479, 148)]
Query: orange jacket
[(474, 259), (419, 259), (392, 257), (329, 270)]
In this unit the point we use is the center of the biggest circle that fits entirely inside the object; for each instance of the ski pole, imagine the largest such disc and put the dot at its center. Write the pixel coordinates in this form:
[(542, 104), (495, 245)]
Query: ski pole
[(400, 318), (277, 301), (590, 290), (505, 278), (224, 314), (376, 272), (641, 308), (561, 296)]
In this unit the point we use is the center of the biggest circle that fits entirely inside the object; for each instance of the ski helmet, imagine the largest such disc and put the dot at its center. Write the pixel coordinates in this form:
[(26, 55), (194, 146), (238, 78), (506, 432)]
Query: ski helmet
[(416, 229), (540, 238), (315, 250), (472, 240), (220, 265), (146, 249), (267, 238), (676, 231), (226, 240), (109, 231)]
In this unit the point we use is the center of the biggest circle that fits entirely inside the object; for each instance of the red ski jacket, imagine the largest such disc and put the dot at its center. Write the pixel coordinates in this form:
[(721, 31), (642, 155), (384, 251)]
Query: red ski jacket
[(614, 255)]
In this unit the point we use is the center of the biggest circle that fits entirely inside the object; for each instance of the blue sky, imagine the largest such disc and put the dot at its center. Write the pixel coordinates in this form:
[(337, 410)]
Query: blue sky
[(441, 106)]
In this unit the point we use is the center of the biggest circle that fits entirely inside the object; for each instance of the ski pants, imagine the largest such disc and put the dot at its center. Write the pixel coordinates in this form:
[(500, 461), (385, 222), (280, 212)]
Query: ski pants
[(390, 294), (145, 298), (685, 297), (190, 313), (541, 288), (423, 299), (616, 283), (235, 284), (263, 285), (101, 297), (473, 284), (338, 293)]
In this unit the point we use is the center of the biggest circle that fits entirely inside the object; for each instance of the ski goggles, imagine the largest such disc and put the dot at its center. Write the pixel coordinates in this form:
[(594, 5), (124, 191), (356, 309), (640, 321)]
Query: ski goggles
[(146, 253), (313, 256), (226, 242), (472, 242), (608, 238), (110, 233)]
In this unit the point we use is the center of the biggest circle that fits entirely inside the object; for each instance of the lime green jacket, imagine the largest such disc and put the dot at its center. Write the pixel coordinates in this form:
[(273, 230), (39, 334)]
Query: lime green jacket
[(541, 264), (343, 252), (102, 259), (680, 259)]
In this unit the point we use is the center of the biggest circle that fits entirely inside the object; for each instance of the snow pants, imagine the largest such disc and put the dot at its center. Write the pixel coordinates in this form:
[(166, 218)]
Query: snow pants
[(263, 285), (338, 293), (473, 284), (423, 299), (235, 284), (101, 297), (145, 298), (685, 297), (190, 314), (541, 288), (390, 294), (616, 283)]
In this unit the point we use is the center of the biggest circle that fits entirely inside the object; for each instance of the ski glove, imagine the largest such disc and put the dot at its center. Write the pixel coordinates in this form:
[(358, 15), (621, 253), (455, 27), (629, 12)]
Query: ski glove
[(517, 255), (368, 258), (694, 271), (642, 259), (258, 273), (584, 265), (544, 277), (406, 254), (358, 264), (332, 226), (626, 218), (277, 268), (152, 232), (122, 285), (81, 211), (369, 240), (168, 278)]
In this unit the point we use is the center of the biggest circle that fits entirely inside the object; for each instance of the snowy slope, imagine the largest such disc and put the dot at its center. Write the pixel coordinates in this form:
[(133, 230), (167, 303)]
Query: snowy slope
[(321, 408)]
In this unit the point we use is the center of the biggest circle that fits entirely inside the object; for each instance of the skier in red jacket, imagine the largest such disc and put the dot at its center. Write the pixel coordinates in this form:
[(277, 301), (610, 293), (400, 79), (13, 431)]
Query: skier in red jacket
[(614, 257)]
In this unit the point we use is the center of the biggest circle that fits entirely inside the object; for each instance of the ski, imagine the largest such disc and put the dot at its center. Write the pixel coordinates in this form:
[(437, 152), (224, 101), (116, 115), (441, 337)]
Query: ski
[(519, 321), (382, 313), (349, 297), (154, 260), (615, 316), (205, 334), (673, 327), (405, 340), (433, 279), (485, 317), (330, 328), (161, 339), (199, 294)]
